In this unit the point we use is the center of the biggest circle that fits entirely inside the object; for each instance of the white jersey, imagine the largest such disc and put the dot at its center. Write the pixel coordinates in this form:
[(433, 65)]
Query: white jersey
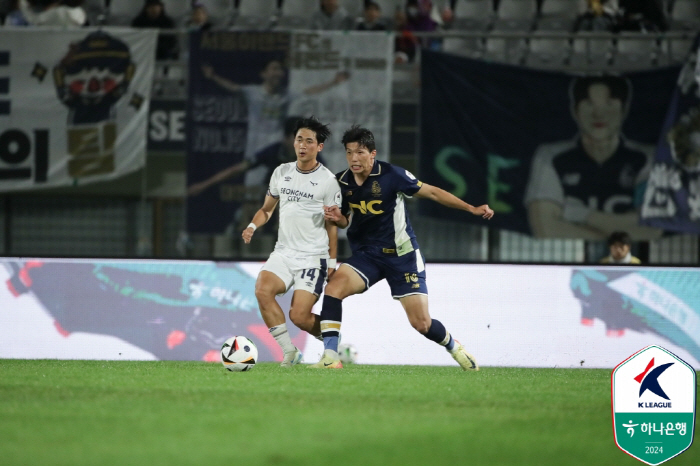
[(302, 196)]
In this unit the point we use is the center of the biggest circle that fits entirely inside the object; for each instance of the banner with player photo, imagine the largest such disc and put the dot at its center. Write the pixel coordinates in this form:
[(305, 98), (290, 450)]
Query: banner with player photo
[(555, 155), (73, 105), (247, 88), (185, 310), (672, 198)]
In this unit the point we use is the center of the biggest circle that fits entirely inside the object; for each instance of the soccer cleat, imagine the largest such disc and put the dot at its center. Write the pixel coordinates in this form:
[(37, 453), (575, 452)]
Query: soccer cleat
[(330, 360), (466, 360), (291, 358)]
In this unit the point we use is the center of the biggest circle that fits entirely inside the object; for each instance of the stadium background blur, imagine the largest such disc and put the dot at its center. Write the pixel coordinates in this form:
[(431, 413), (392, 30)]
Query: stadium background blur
[(143, 214)]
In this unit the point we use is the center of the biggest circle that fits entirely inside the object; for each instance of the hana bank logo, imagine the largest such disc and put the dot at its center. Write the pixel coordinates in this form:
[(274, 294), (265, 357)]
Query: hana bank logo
[(653, 404)]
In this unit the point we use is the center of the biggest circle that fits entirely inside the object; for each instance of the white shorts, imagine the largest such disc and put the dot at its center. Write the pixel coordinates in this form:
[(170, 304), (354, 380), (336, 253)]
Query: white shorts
[(300, 272)]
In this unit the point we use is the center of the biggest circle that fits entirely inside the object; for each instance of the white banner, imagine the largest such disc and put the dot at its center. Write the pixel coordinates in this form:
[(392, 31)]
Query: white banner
[(344, 78), (73, 105), (506, 315)]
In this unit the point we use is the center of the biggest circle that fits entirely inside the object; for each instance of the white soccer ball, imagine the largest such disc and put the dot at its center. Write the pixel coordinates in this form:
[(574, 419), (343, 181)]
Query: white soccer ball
[(347, 353), (239, 354)]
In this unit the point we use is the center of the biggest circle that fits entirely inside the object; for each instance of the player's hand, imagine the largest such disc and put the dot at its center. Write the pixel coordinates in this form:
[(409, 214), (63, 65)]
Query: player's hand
[(332, 213), (484, 211), (247, 235)]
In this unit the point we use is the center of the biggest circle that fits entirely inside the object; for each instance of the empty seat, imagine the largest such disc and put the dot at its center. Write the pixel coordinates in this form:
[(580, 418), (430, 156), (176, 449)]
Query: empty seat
[(515, 15), (685, 15), (557, 15), (255, 14), (473, 15), (220, 11), (122, 12), (592, 49), (472, 47), (635, 51), (548, 52), (295, 14)]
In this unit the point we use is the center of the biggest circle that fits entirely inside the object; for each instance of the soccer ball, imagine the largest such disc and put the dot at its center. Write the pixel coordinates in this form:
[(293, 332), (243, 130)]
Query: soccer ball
[(239, 354), (347, 353)]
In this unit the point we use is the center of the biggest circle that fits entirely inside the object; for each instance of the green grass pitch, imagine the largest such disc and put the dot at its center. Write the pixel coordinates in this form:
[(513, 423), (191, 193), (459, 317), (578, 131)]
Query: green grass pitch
[(187, 413)]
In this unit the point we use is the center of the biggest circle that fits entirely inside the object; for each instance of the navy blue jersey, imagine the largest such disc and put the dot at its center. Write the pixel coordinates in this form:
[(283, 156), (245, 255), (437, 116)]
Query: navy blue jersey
[(379, 214)]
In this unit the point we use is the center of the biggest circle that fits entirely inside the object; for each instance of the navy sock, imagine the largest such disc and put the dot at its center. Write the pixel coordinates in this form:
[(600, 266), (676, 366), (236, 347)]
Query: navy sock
[(439, 334), (331, 318)]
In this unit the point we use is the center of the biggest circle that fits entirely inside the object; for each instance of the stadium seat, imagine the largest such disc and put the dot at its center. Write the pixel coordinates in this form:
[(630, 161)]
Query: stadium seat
[(122, 12), (592, 49), (220, 11), (685, 15), (295, 14), (506, 50), (353, 7), (557, 15), (548, 52), (515, 15), (473, 15), (178, 10), (472, 47), (635, 51), (255, 14)]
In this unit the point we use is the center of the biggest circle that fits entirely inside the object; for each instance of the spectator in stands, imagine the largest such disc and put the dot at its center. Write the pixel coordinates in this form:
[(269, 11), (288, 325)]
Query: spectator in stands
[(14, 16), (620, 244), (65, 13), (642, 15), (153, 16), (591, 185), (600, 16), (199, 18), (371, 18), (331, 17), (415, 17)]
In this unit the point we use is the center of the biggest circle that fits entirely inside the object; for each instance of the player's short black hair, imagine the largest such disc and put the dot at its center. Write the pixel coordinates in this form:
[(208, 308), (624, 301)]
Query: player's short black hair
[(322, 131), (619, 88), (362, 136), (619, 237)]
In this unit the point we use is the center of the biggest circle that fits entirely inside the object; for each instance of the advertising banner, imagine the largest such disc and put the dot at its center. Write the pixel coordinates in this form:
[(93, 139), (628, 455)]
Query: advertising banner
[(247, 90), (555, 155), (73, 105), (505, 315)]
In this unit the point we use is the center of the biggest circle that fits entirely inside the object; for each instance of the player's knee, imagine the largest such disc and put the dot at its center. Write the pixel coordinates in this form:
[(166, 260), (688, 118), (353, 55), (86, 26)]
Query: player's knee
[(263, 294), (421, 324)]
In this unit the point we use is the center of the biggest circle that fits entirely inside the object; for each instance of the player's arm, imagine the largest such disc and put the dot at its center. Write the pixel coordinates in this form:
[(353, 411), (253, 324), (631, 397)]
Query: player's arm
[(224, 174), (441, 196), (261, 217), (208, 72), (332, 231)]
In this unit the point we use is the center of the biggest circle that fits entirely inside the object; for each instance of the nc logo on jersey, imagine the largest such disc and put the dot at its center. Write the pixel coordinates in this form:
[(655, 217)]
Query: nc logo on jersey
[(364, 207), (653, 403)]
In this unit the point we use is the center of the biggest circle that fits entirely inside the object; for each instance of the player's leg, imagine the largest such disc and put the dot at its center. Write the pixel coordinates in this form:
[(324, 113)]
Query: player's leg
[(274, 279), (346, 281), (300, 312), (416, 307)]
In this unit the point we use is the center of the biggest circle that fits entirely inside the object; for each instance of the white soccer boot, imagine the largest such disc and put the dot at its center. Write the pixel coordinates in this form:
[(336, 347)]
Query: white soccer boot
[(291, 358), (466, 360), (330, 360)]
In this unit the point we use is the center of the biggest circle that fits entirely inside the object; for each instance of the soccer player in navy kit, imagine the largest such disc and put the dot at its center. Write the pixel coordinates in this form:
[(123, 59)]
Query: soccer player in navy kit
[(383, 244)]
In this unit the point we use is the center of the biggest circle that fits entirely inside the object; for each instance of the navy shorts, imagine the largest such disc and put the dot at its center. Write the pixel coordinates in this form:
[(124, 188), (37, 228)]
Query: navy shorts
[(405, 274)]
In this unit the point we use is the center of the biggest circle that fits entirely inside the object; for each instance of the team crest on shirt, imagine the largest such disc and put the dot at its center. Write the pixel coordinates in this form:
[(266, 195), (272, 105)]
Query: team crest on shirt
[(376, 189)]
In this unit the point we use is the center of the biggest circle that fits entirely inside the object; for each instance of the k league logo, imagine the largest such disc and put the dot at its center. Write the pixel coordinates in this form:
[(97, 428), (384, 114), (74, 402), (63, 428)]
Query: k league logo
[(653, 404)]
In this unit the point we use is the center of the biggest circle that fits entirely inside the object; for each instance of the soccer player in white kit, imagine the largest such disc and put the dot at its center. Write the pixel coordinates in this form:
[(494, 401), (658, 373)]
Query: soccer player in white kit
[(305, 252)]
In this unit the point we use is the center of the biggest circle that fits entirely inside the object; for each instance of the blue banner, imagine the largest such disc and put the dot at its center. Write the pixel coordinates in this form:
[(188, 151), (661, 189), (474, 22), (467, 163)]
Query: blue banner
[(554, 154), (238, 101), (672, 198)]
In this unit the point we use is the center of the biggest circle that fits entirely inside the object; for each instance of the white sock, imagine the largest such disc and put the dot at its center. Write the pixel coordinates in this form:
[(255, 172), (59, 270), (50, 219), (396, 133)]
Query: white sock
[(282, 336)]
